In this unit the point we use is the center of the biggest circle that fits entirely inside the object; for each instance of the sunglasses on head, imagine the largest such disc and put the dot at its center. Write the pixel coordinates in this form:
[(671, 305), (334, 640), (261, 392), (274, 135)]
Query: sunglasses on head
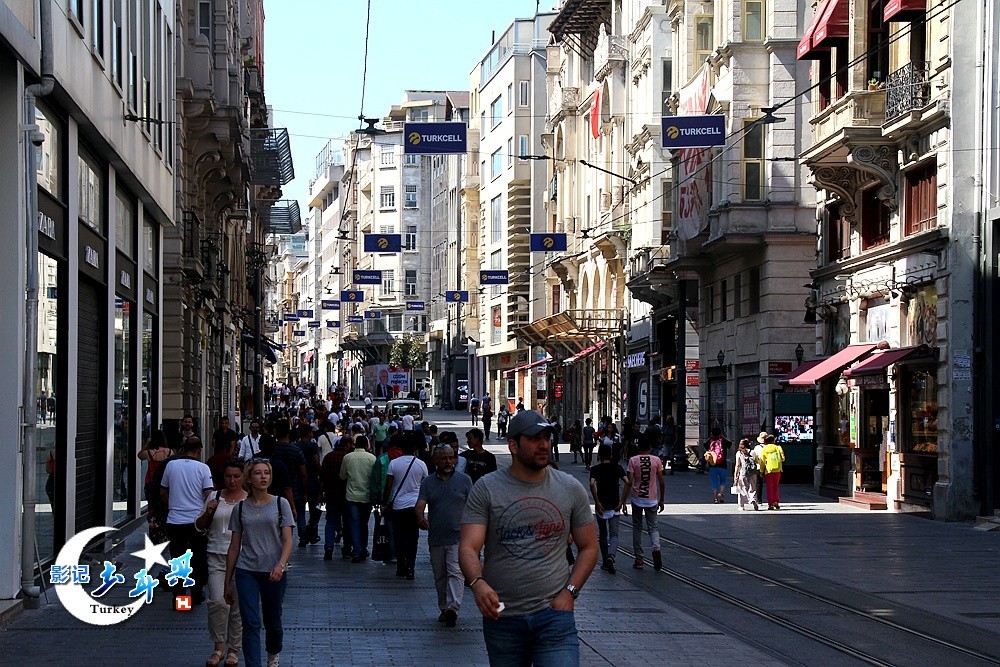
[(259, 459)]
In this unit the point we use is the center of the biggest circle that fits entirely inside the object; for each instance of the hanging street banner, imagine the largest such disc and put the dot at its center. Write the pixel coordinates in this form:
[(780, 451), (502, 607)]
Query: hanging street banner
[(456, 296), (366, 277), (354, 319), (693, 131), (329, 304), (352, 296), (548, 242), (383, 243), (291, 317), (415, 306), (299, 333), (373, 314), (314, 324), (434, 138), (305, 313), (494, 277), (333, 324)]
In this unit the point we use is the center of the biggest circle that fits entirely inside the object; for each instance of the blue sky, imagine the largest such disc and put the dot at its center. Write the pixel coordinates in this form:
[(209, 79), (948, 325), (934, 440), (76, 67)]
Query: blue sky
[(313, 55)]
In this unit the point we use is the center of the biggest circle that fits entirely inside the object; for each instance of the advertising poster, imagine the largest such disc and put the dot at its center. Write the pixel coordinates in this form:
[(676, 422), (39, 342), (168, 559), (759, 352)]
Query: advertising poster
[(385, 381)]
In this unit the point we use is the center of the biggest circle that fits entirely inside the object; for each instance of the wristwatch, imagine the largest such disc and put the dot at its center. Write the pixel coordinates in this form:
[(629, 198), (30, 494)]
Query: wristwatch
[(573, 590)]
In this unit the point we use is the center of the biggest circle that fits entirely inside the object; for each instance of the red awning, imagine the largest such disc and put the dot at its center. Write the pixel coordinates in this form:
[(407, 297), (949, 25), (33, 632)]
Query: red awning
[(585, 352), (832, 365), (309, 357), (802, 368), (904, 10), (879, 361), (525, 367), (829, 23)]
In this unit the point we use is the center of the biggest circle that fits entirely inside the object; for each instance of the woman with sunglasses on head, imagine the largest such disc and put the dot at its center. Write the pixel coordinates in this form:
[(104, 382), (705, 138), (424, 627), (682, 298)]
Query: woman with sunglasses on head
[(224, 623), (258, 555)]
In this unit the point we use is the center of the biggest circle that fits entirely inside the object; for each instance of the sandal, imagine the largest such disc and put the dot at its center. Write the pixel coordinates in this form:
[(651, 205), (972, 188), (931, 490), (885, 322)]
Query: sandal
[(233, 658), (214, 659)]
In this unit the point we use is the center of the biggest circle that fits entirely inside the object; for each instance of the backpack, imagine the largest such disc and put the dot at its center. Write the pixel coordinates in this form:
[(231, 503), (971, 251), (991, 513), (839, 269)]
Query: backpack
[(773, 457), (750, 464), (715, 446)]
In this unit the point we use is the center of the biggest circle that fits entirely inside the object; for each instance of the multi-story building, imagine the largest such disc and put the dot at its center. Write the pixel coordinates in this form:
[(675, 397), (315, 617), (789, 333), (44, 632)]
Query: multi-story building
[(89, 187), (510, 93), (893, 157)]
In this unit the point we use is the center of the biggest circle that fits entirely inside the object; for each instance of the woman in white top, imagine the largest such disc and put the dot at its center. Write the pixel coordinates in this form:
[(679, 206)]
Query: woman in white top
[(224, 623), (745, 475)]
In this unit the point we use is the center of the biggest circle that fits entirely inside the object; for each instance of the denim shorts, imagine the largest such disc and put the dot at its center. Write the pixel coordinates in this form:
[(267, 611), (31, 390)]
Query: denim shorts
[(718, 476)]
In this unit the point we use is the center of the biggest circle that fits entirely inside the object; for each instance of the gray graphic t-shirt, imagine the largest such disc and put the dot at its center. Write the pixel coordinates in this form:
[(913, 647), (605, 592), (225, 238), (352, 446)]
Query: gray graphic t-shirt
[(527, 529)]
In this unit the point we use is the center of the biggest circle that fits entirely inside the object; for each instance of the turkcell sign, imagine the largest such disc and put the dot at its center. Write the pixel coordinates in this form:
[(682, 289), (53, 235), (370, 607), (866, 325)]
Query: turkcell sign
[(434, 138), (355, 319), (548, 242), (367, 277), (305, 313), (291, 317), (373, 314), (693, 131), (298, 333), (329, 304), (354, 296), (457, 296), (494, 277), (333, 324), (314, 324), (415, 306)]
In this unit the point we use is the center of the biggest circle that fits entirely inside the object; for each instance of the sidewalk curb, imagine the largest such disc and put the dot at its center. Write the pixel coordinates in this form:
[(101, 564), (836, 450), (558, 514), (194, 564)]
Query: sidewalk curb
[(10, 610)]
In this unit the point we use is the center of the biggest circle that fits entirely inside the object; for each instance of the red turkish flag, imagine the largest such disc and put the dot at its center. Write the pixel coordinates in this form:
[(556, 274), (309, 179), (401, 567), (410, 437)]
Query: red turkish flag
[(595, 114)]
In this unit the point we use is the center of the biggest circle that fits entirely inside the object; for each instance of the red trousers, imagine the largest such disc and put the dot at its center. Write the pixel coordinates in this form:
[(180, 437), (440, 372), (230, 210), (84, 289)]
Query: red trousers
[(772, 480)]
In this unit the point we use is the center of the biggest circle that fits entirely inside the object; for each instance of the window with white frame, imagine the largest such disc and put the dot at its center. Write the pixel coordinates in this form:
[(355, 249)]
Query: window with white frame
[(496, 112), (510, 151), (496, 163), (205, 22), (510, 98), (117, 34), (523, 93), (387, 156), (496, 219), (522, 145), (418, 115), (97, 27), (753, 20), (409, 196), (387, 197), (753, 161), (388, 282), (496, 263), (410, 238), (76, 10), (410, 282), (386, 229), (411, 160)]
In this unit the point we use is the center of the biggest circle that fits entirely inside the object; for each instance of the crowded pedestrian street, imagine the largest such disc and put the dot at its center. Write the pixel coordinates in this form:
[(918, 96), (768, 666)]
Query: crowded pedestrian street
[(738, 587)]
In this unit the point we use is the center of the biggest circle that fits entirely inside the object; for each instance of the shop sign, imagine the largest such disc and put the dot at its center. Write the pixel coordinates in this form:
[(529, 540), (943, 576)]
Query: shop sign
[(779, 368), (692, 380), (558, 390), (92, 257), (692, 365), (150, 296), (643, 403), (125, 278), (46, 226), (873, 381), (635, 360)]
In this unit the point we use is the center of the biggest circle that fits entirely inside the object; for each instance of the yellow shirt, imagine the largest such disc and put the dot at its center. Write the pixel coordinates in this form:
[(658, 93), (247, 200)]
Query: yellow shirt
[(771, 458)]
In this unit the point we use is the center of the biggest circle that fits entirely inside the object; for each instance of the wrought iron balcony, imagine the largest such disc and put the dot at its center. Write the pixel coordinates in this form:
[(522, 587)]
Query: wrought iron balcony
[(271, 153), (907, 89)]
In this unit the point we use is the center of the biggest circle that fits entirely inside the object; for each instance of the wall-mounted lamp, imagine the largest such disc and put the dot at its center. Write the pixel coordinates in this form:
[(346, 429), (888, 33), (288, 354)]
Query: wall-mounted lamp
[(721, 357), (799, 353)]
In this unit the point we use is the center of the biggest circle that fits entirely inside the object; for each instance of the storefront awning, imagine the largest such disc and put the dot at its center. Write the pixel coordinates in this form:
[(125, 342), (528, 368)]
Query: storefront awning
[(802, 368), (586, 352), (309, 357), (903, 10), (539, 362), (879, 361), (830, 22), (267, 347), (830, 365)]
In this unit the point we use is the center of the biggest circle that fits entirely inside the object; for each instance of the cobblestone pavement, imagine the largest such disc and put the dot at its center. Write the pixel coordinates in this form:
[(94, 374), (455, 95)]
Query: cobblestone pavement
[(338, 613)]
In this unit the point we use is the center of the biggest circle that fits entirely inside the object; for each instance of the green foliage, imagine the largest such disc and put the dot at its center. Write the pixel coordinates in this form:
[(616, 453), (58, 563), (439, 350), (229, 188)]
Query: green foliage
[(408, 352)]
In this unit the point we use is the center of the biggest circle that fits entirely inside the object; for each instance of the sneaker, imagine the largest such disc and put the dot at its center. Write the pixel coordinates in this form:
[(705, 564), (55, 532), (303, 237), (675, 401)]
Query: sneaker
[(657, 561), (755, 508), (611, 566), (777, 506), (328, 554), (451, 617), (638, 564), (273, 660), (443, 617)]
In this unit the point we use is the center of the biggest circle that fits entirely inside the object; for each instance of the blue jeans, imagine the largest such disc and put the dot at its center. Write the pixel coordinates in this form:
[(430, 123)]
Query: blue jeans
[(607, 535), (260, 597), (333, 527), (546, 638), (360, 512)]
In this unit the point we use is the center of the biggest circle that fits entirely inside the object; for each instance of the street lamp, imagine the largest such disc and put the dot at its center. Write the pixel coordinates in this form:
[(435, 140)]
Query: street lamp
[(799, 353), (721, 357)]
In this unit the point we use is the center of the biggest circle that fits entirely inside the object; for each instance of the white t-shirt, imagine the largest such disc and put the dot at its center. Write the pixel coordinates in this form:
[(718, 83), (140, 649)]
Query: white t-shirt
[(187, 480), (249, 447), (407, 422), (408, 486), (327, 443)]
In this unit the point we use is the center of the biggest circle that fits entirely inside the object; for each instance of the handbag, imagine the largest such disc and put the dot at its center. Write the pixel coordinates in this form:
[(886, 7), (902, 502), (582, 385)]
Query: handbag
[(380, 539)]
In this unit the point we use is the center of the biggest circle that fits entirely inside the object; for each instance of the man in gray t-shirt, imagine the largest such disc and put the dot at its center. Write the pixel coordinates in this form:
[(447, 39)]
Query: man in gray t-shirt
[(445, 491), (524, 515)]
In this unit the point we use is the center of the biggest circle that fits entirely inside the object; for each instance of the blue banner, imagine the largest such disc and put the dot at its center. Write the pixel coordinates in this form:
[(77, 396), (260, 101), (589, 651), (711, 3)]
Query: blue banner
[(456, 296), (494, 277), (548, 242), (305, 313), (291, 317), (693, 131), (383, 243), (373, 314), (329, 304), (333, 324), (415, 306), (314, 324), (298, 333), (434, 138), (366, 277), (355, 318), (352, 296)]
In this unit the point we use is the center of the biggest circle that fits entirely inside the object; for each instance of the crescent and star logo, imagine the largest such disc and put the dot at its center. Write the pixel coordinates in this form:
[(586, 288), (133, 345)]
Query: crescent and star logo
[(68, 576), (414, 138), (382, 242), (673, 132)]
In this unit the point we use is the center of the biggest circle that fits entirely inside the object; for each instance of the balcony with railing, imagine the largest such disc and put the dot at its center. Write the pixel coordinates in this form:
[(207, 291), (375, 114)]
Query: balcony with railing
[(907, 89), (563, 101), (611, 52)]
